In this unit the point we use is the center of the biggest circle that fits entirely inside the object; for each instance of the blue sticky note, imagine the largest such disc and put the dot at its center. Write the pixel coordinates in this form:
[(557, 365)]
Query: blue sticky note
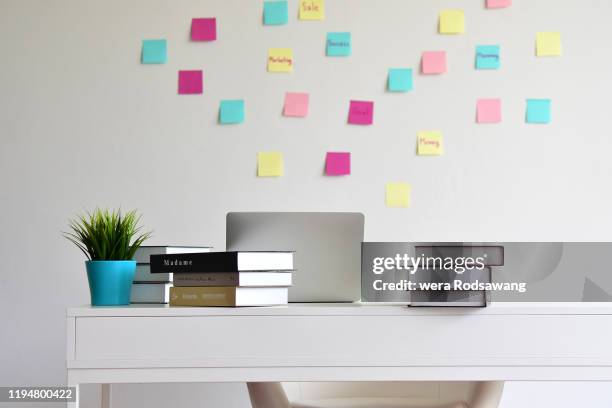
[(231, 111), (338, 44), (154, 52), (487, 57), (538, 110), (400, 80), (276, 12)]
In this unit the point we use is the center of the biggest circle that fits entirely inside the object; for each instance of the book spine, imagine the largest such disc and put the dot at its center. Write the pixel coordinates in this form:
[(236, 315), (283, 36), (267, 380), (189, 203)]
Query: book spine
[(203, 296), (195, 263), (207, 279)]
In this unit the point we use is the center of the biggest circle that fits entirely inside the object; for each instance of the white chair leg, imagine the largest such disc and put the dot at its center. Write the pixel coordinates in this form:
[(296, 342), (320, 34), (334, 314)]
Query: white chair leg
[(487, 394), (267, 395)]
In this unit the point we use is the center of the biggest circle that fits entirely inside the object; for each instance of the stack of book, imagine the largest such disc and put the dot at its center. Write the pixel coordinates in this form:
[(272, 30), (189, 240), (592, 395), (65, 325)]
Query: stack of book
[(155, 288), (246, 278)]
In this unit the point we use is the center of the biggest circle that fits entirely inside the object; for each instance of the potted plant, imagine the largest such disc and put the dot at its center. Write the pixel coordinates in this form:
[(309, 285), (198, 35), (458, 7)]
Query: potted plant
[(109, 240)]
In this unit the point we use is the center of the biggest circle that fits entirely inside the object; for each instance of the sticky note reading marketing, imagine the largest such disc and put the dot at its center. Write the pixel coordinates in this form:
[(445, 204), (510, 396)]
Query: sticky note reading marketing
[(280, 60), (296, 104), (538, 110), (361, 113), (338, 44), (276, 12), (190, 82), (231, 111), (270, 164), (203, 29), (154, 52), (487, 57), (548, 44), (433, 62), (488, 111), (312, 10), (429, 143), (399, 80), (498, 3), (397, 195), (452, 22), (338, 163)]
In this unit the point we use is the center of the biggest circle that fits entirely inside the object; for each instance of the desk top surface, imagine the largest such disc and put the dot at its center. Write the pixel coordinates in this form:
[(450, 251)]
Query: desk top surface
[(344, 309)]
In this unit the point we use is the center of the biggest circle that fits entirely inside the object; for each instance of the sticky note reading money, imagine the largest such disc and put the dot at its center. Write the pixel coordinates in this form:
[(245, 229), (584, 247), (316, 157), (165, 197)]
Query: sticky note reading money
[(270, 164), (429, 143), (280, 60), (548, 44), (487, 57), (398, 195), (452, 22)]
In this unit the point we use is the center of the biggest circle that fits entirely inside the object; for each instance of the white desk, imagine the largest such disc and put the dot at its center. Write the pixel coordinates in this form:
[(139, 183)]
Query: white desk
[(342, 342)]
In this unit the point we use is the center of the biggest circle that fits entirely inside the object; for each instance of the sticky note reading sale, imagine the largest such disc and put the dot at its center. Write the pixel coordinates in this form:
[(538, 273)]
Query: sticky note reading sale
[(338, 164), (154, 52), (452, 22), (231, 111), (398, 195), (312, 10), (548, 44), (270, 164), (488, 111), (203, 29), (361, 113), (190, 82), (433, 62), (429, 143), (280, 60), (296, 104)]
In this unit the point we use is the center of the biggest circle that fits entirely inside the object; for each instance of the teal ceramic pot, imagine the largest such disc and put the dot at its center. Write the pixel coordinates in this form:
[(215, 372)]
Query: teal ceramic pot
[(110, 282)]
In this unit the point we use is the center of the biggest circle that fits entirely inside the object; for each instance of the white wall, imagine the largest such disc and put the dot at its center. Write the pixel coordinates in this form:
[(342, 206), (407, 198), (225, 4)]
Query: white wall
[(85, 125)]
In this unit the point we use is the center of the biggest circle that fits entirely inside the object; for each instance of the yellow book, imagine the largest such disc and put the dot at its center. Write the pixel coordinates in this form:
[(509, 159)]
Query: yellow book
[(228, 296)]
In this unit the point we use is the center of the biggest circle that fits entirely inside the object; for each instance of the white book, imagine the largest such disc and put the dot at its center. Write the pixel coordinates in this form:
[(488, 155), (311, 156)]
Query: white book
[(144, 252), (143, 274), (150, 293)]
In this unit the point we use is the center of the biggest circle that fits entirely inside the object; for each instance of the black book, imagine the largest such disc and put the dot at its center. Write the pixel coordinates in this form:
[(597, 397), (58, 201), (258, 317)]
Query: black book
[(206, 262)]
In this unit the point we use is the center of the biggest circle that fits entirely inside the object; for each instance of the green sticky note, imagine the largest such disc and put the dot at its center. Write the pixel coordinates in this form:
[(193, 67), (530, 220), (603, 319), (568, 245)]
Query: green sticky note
[(276, 12), (487, 57), (338, 44), (538, 110), (231, 111), (400, 80), (154, 52)]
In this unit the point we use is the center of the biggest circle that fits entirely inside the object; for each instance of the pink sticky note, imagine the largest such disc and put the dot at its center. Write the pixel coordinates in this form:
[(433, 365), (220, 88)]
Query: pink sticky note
[(338, 163), (433, 62), (190, 82), (296, 104), (361, 113), (498, 3), (488, 111), (203, 29)]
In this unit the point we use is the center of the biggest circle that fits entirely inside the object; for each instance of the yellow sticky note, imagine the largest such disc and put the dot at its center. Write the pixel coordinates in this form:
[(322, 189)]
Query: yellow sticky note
[(548, 44), (312, 10), (280, 60), (429, 143), (270, 164), (452, 22), (398, 195)]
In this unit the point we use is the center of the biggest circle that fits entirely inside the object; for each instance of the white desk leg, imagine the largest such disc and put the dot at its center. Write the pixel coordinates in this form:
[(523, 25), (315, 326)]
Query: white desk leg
[(74, 404), (106, 396)]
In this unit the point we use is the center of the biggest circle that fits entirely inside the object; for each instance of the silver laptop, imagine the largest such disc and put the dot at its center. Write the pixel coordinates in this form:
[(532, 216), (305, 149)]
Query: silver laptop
[(327, 245)]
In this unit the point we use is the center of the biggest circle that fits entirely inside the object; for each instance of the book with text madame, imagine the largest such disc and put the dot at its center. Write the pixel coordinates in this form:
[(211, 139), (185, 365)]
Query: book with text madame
[(232, 261)]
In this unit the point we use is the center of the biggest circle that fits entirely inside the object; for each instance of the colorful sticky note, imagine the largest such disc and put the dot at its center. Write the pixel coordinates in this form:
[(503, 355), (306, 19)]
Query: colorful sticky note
[(361, 113), (276, 12), (270, 164), (398, 195), (538, 110), (548, 44), (338, 44), (338, 163), (488, 111), (312, 10), (231, 111), (190, 82), (498, 3), (296, 104), (433, 62), (280, 60), (154, 52), (400, 80), (203, 29), (452, 22), (429, 143), (487, 57)]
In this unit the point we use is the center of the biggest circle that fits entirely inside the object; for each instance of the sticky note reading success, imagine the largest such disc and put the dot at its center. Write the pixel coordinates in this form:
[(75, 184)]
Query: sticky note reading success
[(270, 164), (312, 10), (398, 195), (429, 143), (338, 164), (548, 44), (280, 60), (452, 22)]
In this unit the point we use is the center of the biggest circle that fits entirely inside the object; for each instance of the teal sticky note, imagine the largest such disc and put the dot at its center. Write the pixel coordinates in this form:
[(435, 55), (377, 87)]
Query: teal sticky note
[(538, 110), (338, 44), (154, 52), (276, 12), (400, 80), (231, 111), (487, 57)]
